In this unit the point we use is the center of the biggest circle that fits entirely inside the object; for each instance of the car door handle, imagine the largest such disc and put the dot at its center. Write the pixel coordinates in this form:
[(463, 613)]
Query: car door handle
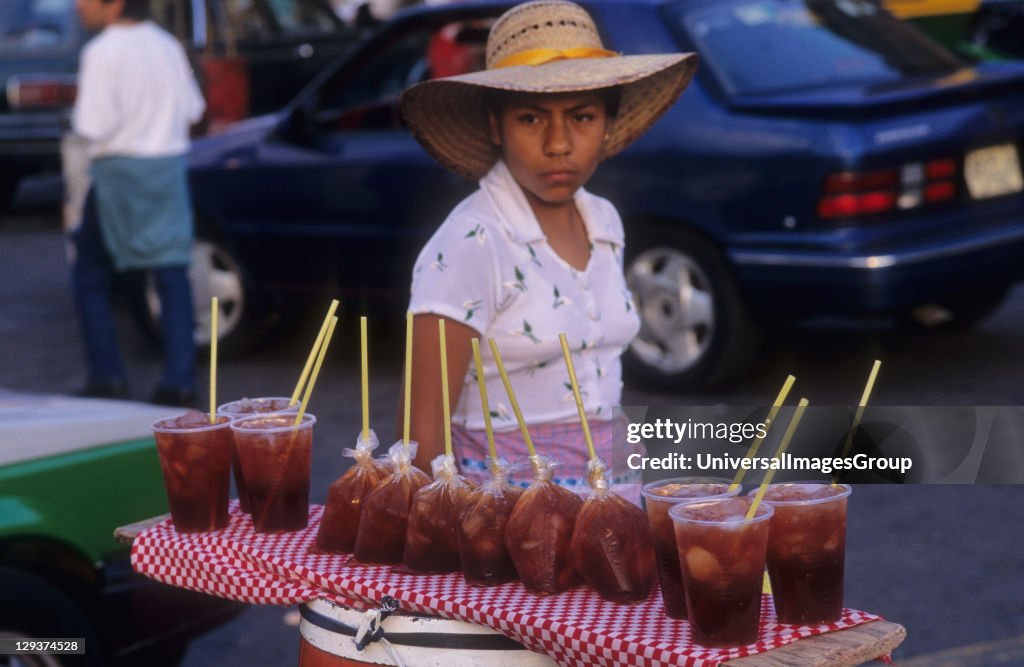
[(304, 50)]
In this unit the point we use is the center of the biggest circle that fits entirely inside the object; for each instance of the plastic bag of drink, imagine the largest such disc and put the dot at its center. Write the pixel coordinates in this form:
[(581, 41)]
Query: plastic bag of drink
[(612, 547), (380, 538), (340, 522), (539, 532), (430, 542), (480, 529)]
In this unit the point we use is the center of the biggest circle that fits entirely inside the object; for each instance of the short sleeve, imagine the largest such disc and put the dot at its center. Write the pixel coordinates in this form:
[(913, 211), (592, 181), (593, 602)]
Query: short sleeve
[(96, 114), (456, 274)]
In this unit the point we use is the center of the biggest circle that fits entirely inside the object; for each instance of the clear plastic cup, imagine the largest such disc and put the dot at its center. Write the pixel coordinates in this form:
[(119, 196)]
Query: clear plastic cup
[(276, 457), (722, 556), (195, 457), (249, 406), (807, 550), (659, 498)]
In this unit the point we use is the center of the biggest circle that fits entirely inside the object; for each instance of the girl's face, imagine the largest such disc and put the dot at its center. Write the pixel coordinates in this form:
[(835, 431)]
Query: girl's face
[(551, 143)]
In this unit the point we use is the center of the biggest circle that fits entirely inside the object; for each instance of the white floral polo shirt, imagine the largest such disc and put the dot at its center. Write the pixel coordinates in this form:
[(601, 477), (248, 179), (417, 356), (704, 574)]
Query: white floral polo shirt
[(489, 266)]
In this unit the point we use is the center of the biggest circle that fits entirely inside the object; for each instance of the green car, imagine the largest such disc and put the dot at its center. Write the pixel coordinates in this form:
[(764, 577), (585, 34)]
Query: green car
[(71, 471)]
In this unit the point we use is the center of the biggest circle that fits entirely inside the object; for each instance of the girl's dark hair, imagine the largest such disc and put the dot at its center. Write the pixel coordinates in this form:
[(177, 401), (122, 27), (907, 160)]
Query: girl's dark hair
[(496, 100), (135, 10)]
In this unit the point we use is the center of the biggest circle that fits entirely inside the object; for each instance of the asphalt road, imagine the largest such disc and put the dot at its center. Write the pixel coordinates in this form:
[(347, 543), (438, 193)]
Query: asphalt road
[(945, 561)]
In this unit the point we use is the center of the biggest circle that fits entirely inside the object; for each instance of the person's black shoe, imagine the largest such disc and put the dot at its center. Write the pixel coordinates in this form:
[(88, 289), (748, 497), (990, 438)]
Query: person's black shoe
[(177, 398), (113, 389)]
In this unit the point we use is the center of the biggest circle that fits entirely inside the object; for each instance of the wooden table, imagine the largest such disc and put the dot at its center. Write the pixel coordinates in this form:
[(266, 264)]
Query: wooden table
[(842, 648)]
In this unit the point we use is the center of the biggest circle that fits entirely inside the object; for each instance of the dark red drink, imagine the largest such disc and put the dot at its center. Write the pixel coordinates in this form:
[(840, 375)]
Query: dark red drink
[(612, 547), (660, 497), (385, 517), (722, 554), (538, 535), (431, 545), (481, 533), (242, 408), (806, 551), (195, 457), (275, 455)]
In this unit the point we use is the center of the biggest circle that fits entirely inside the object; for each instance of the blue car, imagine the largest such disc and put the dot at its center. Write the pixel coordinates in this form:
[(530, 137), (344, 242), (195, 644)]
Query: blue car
[(828, 159)]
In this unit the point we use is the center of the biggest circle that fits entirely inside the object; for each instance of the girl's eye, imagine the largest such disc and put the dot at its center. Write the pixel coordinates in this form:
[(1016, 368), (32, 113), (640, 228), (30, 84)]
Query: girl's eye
[(584, 117), (528, 118)]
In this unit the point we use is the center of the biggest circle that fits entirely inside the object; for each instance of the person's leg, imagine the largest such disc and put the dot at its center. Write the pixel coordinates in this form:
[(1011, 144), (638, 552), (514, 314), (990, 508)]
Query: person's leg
[(92, 275), (176, 327)]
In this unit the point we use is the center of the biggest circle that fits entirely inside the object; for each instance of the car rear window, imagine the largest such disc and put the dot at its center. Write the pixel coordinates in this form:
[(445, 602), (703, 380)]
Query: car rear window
[(28, 27), (758, 47)]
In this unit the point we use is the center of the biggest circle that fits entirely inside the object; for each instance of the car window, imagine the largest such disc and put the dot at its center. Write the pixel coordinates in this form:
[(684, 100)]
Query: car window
[(365, 94), (757, 47), (302, 16), (30, 26), (245, 20)]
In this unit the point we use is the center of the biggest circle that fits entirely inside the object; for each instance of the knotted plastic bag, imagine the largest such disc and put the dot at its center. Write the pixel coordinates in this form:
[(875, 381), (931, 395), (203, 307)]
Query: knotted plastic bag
[(612, 547), (539, 532), (480, 529), (340, 522), (385, 516), (430, 542)]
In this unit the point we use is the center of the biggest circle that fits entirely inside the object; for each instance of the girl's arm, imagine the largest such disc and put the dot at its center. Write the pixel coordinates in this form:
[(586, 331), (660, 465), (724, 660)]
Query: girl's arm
[(427, 414)]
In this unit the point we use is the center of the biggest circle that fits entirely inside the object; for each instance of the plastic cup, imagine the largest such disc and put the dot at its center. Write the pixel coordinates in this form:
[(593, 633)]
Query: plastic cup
[(660, 497), (276, 456), (242, 408), (807, 550), (722, 555), (195, 457)]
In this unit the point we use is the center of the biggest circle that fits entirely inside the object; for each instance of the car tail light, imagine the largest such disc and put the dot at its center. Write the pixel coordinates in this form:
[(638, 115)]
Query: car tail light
[(849, 194), (41, 91)]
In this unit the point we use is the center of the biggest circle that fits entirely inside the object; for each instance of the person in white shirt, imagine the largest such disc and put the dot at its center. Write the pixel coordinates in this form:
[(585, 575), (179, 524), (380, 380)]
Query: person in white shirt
[(137, 100), (531, 254)]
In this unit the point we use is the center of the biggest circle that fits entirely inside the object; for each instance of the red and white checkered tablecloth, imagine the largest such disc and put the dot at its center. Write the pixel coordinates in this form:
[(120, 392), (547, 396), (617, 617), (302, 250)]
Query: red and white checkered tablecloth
[(575, 628)]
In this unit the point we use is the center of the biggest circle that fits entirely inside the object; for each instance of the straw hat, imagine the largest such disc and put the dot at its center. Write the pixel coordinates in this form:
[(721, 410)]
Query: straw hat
[(546, 46)]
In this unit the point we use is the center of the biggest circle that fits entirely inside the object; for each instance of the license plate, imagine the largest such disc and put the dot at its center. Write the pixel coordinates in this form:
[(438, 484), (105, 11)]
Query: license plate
[(993, 171)]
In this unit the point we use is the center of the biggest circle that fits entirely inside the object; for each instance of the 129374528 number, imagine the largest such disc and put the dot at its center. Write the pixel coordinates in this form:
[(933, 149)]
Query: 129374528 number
[(39, 646)]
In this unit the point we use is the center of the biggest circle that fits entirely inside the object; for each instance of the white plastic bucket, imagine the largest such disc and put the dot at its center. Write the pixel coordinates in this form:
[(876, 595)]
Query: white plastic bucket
[(328, 640)]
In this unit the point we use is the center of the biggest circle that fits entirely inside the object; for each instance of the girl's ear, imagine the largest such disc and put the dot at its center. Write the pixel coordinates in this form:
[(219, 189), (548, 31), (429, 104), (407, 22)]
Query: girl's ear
[(492, 120)]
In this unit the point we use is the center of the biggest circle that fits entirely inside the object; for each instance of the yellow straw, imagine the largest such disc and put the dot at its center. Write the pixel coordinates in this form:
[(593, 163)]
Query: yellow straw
[(444, 389), (754, 446), (316, 370), (312, 353), (860, 411), (512, 399), (790, 430), (214, 308), (488, 429), (408, 379), (576, 394), (364, 377)]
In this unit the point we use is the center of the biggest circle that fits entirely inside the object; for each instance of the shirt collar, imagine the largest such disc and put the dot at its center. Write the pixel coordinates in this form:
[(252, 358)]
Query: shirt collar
[(515, 214)]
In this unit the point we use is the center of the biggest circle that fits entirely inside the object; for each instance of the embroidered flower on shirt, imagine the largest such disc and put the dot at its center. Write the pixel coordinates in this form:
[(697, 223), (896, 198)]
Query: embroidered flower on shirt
[(500, 413), (527, 331), (570, 395), (532, 369), (438, 264), (471, 306), (533, 256), (519, 283), (479, 233), (559, 300)]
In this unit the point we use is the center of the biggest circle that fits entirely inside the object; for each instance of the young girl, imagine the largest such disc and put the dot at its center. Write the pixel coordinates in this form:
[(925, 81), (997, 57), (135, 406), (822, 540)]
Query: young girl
[(532, 254)]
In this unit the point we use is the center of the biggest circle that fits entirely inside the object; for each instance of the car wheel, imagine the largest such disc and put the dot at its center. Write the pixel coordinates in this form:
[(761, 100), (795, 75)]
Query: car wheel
[(31, 608), (214, 272), (695, 330), (957, 314)]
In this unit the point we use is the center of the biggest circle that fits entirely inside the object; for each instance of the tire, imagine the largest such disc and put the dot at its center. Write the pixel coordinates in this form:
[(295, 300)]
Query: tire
[(214, 272), (695, 330), (31, 608), (957, 314)]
